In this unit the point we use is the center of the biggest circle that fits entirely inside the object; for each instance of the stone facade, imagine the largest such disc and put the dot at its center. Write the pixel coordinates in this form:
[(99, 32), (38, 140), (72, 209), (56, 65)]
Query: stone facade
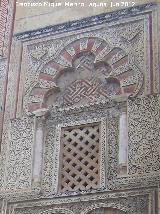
[(81, 120), (6, 26)]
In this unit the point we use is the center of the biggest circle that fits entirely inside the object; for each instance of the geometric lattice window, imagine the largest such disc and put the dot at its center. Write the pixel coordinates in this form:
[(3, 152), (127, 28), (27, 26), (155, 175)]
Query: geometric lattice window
[(79, 168)]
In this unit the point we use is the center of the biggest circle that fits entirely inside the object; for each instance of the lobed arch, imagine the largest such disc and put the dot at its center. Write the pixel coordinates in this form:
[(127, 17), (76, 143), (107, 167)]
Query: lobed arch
[(121, 73)]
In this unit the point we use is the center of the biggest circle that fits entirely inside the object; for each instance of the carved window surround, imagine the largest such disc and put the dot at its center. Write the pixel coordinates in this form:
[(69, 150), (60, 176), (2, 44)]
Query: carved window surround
[(102, 146), (107, 115)]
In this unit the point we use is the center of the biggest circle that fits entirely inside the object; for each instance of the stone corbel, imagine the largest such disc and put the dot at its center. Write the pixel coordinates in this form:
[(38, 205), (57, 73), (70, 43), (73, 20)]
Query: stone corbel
[(39, 122)]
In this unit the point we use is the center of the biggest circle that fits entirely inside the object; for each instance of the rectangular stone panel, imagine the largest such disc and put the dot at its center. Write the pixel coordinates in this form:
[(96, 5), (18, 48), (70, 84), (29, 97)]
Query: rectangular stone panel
[(144, 135), (19, 154)]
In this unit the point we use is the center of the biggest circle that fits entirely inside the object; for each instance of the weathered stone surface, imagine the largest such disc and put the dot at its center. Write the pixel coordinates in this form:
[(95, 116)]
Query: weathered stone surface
[(144, 130), (69, 85)]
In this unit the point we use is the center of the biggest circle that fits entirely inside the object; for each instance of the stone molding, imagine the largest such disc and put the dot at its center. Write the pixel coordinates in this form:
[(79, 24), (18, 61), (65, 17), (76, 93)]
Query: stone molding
[(87, 22)]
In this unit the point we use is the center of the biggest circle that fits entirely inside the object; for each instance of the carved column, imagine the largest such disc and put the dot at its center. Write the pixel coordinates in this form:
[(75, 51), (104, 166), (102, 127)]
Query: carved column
[(123, 143), (40, 119)]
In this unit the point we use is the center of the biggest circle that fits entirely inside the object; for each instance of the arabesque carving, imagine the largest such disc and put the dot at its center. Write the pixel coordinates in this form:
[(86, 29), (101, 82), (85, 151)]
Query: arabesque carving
[(86, 70), (83, 77)]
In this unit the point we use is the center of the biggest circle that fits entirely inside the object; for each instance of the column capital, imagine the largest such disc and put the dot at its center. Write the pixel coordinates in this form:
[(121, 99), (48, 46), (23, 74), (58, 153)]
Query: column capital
[(42, 113), (124, 110), (121, 98)]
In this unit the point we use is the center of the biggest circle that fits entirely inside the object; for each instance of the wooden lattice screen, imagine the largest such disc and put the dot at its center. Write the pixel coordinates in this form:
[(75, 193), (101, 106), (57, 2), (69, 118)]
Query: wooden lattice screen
[(80, 158)]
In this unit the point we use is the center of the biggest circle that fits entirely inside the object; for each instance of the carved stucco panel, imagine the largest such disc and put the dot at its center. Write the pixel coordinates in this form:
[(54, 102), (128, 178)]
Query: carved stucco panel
[(19, 154), (144, 134), (3, 74), (108, 119), (124, 34), (131, 205), (37, 62), (1, 205)]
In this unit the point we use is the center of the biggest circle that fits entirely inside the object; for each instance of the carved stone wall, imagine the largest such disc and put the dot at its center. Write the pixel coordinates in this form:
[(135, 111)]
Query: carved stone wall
[(83, 74), (127, 204), (144, 130), (19, 161), (3, 24), (3, 74), (1, 204), (6, 26), (100, 66), (118, 49), (106, 211)]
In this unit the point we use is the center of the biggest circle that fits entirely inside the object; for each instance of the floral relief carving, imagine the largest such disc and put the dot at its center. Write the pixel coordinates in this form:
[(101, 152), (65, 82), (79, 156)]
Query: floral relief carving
[(144, 149)]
